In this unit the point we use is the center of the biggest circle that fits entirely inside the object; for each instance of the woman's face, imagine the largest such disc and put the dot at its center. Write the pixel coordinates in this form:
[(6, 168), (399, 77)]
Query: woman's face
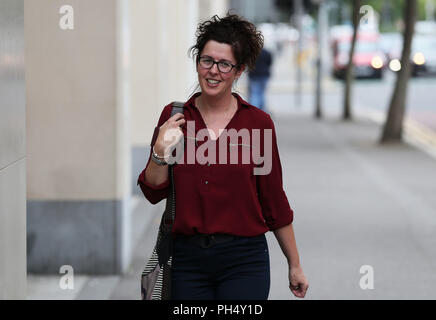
[(212, 81)]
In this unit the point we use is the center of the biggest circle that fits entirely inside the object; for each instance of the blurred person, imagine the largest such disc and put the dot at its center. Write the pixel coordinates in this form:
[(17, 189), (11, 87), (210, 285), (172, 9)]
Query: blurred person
[(258, 79), (222, 210)]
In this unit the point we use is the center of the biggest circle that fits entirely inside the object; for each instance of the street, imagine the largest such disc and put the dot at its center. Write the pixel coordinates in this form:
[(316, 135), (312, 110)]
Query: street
[(367, 93)]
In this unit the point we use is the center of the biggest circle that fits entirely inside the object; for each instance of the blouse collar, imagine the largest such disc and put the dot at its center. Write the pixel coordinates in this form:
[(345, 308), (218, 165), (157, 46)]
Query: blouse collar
[(241, 102)]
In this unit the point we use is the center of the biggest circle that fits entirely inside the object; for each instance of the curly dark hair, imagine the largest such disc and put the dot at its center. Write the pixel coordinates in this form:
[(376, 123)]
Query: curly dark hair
[(242, 35)]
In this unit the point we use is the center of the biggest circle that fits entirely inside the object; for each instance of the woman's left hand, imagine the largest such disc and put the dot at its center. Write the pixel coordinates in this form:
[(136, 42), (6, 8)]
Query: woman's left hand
[(298, 282)]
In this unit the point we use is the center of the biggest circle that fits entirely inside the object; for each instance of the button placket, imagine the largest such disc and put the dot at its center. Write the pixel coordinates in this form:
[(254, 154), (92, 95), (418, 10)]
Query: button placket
[(208, 170), (205, 176)]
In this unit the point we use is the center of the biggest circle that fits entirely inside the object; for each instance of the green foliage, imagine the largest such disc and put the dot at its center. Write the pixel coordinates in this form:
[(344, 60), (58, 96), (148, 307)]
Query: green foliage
[(389, 11), (422, 9)]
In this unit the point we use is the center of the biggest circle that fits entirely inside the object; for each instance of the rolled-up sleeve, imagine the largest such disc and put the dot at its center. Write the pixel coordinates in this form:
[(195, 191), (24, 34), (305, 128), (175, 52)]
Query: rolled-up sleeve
[(154, 193), (275, 205)]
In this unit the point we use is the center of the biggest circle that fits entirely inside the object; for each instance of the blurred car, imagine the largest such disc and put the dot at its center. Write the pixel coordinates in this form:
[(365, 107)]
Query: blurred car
[(423, 56), (369, 60)]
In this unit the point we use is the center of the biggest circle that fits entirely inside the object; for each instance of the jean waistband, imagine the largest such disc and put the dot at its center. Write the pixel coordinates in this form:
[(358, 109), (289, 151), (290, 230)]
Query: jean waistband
[(207, 240)]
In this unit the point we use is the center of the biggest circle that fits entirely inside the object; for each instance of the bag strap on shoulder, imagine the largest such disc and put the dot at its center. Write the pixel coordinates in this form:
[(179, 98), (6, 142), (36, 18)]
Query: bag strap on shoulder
[(169, 214), (177, 107)]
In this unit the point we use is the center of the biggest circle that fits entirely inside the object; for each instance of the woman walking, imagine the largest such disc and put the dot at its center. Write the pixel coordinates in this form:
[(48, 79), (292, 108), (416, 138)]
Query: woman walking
[(223, 209)]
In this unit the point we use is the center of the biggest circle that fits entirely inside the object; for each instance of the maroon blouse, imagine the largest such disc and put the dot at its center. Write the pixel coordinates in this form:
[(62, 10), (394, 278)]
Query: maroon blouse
[(224, 198)]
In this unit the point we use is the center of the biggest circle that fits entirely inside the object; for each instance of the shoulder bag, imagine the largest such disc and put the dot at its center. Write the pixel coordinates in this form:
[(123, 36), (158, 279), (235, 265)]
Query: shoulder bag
[(156, 276)]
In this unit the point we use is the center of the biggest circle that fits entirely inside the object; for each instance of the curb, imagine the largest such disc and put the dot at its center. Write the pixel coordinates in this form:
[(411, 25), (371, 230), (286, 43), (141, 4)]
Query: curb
[(415, 133)]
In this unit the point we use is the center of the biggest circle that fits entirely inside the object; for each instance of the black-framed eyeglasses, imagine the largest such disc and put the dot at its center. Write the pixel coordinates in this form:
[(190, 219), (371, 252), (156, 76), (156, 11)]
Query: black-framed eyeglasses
[(207, 62)]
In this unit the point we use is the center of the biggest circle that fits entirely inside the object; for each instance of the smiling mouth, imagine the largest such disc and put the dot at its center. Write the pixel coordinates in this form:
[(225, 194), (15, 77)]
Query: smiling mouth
[(212, 81)]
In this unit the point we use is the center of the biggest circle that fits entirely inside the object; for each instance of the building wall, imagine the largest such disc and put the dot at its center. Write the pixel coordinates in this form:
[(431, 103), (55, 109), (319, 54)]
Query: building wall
[(78, 151), (12, 152)]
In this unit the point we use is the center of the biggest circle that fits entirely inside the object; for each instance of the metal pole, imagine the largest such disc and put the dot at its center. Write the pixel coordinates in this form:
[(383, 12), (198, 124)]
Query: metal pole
[(298, 18), (322, 26), (318, 94)]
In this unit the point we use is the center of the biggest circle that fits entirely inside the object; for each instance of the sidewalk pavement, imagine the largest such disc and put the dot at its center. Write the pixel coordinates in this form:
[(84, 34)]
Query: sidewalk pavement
[(145, 221), (356, 204)]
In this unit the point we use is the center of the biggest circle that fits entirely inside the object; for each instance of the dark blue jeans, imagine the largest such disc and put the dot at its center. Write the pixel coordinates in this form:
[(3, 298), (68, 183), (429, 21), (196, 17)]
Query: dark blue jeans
[(237, 269), (257, 87)]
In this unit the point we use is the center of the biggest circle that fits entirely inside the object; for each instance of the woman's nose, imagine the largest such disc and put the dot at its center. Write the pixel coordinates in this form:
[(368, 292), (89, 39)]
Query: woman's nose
[(214, 68)]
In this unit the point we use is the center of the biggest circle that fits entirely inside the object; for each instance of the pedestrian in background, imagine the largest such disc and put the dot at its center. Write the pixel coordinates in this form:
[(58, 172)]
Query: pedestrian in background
[(222, 210), (258, 79)]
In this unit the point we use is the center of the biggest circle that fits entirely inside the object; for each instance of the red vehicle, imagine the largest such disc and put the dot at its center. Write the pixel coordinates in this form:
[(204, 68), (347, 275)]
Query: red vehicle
[(369, 60)]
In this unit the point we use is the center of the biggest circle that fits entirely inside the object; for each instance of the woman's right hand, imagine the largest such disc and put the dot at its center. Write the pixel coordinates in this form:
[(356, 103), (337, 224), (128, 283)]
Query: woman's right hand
[(170, 134)]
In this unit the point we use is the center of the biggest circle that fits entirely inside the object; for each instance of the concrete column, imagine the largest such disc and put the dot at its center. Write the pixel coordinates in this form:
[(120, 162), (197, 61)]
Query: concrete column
[(180, 36), (77, 136), (161, 34), (12, 152), (209, 8)]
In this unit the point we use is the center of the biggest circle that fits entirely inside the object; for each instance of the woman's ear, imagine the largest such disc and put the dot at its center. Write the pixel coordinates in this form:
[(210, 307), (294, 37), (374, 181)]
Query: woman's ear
[(239, 71)]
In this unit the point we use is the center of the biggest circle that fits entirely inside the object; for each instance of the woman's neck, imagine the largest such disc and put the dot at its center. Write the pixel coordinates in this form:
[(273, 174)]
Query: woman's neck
[(214, 105)]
